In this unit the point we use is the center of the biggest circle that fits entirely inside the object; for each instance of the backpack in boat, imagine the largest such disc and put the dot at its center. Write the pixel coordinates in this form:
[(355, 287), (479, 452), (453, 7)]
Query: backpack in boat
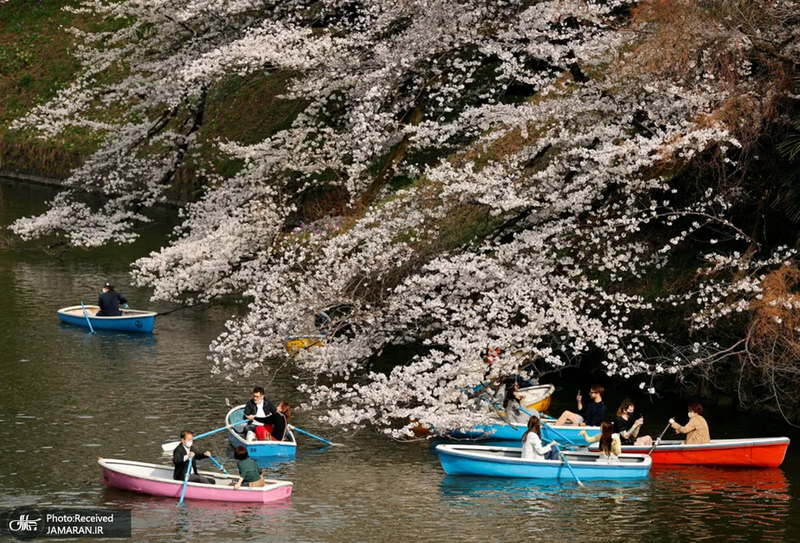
[(264, 433)]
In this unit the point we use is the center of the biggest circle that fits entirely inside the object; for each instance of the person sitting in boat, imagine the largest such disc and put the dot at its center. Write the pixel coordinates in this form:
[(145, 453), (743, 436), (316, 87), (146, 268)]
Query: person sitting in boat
[(249, 472), (610, 444), (275, 427), (587, 415), (110, 301), (511, 403), (181, 456), (532, 448), (323, 322), (696, 429), (280, 421), (627, 427), (258, 411)]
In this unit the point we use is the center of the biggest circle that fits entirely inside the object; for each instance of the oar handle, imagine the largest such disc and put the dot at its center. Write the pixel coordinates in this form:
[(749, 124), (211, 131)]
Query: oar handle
[(218, 430), (655, 443), (219, 465)]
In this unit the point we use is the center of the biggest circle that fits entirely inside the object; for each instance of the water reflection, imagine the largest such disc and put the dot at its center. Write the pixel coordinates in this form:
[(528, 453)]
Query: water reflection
[(161, 517), (748, 500)]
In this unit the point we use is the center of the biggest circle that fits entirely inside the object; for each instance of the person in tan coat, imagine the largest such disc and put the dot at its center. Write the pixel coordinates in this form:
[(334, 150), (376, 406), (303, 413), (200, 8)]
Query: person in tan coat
[(696, 429)]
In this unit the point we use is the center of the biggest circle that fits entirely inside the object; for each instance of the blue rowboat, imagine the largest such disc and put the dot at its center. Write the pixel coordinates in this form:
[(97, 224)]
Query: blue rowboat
[(503, 431), (259, 449), (507, 462), (131, 320)]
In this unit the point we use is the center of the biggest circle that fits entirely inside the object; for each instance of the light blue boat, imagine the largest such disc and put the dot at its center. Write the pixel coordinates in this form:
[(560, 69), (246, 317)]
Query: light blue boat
[(503, 431), (131, 320), (259, 449), (507, 462)]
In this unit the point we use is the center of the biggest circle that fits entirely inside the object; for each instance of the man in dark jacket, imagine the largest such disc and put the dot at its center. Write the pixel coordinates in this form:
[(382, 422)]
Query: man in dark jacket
[(181, 456), (109, 302), (258, 411)]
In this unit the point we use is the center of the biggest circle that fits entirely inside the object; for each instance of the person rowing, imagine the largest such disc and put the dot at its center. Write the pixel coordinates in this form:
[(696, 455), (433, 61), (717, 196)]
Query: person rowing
[(181, 456), (109, 302), (696, 429)]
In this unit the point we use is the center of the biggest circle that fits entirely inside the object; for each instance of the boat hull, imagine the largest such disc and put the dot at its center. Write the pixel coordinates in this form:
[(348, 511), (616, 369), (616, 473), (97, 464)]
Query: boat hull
[(157, 480), (130, 321), (566, 435), (483, 461), (259, 449), (297, 344), (537, 397), (753, 453)]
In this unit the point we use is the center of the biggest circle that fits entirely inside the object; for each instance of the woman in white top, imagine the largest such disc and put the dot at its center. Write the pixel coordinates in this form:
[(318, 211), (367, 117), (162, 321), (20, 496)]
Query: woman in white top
[(532, 448)]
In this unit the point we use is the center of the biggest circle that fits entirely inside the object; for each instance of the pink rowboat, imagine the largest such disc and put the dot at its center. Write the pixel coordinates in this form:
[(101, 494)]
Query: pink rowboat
[(749, 453), (157, 480)]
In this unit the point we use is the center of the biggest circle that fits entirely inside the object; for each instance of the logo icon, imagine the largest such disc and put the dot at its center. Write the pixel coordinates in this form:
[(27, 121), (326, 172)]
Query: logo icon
[(25, 523), (138, 324)]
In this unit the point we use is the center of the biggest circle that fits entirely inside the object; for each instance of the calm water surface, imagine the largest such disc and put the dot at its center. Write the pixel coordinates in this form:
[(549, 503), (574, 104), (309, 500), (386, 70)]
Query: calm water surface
[(68, 397)]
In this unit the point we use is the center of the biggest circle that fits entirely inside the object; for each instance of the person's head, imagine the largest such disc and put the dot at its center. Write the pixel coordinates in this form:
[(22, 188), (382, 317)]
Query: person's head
[(258, 393), (187, 437), (606, 430), (695, 409), (535, 426), (108, 286), (240, 453), (285, 409), (596, 393), (626, 408)]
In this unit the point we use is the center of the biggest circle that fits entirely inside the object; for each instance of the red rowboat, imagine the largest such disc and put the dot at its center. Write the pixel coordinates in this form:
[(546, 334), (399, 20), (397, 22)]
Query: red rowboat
[(754, 453)]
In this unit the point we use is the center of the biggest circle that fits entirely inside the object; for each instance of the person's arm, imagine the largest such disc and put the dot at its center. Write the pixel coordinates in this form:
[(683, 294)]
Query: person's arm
[(536, 444), (122, 299), (250, 411), (178, 456), (636, 427), (594, 439), (580, 404), (238, 483), (691, 425)]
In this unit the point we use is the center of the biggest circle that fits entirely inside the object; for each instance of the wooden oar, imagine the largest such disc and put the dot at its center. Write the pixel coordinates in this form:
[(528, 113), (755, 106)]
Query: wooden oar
[(655, 443), (309, 434), (186, 480), (85, 314), (564, 458), (219, 465), (172, 444)]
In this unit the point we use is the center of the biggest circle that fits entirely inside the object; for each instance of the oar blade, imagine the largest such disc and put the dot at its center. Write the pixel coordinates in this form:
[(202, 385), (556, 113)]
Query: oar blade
[(168, 447)]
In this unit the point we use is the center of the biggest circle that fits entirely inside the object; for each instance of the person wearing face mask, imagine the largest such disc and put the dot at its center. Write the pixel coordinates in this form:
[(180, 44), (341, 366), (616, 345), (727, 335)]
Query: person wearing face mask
[(627, 428), (696, 429), (181, 456)]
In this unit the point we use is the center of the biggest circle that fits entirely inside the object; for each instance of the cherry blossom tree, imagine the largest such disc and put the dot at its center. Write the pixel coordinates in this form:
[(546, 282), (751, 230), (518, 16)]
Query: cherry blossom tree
[(514, 174)]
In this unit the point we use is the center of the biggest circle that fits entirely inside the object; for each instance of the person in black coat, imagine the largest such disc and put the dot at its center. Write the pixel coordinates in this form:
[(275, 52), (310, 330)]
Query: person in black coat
[(110, 301), (258, 411), (180, 458)]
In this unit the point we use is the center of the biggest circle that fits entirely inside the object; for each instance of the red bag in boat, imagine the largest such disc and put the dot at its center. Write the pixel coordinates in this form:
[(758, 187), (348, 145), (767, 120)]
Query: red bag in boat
[(264, 433)]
